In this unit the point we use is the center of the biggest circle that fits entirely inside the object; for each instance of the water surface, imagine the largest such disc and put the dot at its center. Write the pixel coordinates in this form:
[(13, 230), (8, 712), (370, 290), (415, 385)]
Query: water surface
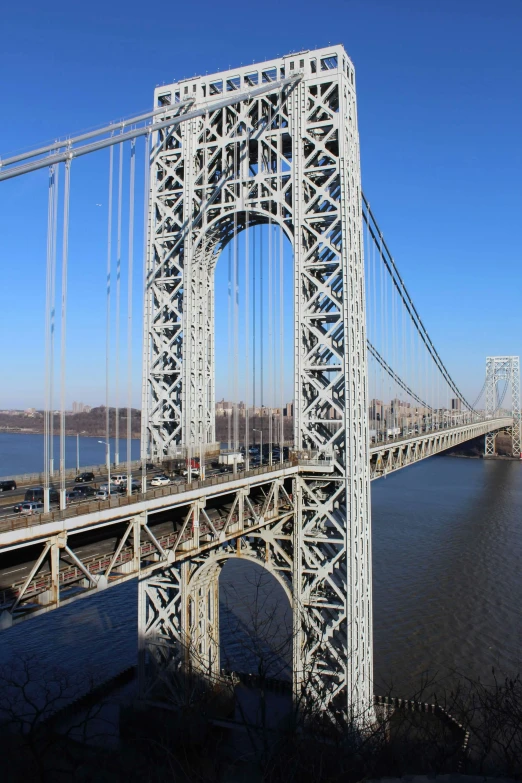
[(447, 549)]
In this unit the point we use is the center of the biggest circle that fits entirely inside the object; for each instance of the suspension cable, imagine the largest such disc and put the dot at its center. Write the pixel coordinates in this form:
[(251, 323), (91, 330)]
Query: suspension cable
[(118, 295), (388, 261), (63, 328), (53, 320), (49, 305), (129, 313), (108, 318)]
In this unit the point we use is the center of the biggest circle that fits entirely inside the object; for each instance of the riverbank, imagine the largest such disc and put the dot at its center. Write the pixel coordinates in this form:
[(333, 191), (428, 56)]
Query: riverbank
[(68, 432)]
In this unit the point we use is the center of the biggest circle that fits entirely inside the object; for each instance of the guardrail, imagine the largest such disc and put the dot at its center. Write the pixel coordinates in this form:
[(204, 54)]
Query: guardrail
[(38, 478)]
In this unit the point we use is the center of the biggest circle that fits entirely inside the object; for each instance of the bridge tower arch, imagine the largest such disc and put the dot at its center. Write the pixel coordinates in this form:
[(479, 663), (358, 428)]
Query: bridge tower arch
[(503, 368), (283, 145)]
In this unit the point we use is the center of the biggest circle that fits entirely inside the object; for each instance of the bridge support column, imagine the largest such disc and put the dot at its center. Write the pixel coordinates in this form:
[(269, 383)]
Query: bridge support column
[(203, 622), (503, 368), (56, 544), (162, 633), (489, 444)]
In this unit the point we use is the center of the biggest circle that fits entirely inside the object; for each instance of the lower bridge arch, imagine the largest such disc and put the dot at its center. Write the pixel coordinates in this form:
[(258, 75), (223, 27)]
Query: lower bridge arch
[(180, 616)]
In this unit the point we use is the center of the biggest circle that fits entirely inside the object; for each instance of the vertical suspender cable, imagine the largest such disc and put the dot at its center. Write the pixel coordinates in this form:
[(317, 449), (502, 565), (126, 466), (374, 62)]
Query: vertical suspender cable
[(254, 345), (207, 409), (383, 353), (118, 293), (368, 284), (129, 314), (53, 320), (235, 316), (63, 330), (247, 318), (281, 344), (261, 334), (144, 446), (49, 304), (270, 330), (229, 347), (108, 319)]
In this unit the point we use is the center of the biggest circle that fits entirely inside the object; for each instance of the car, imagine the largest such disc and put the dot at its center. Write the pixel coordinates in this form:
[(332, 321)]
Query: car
[(160, 481), (83, 477), (115, 488), (194, 472), (72, 494), (18, 507), (37, 494), (5, 486), (135, 484), (33, 507), (85, 490), (103, 493), (119, 478)]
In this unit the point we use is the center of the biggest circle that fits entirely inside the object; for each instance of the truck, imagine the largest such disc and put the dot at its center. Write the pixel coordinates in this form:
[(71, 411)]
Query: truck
[(231, 458), (392, 432)]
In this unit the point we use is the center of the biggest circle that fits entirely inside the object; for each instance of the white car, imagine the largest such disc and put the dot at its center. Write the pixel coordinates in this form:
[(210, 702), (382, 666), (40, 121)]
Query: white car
[(32, 507), (160, 481), (194, 472)]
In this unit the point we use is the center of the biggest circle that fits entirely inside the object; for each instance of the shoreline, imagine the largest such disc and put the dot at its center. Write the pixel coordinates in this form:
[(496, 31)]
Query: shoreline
[(504, 457), (14, 431)]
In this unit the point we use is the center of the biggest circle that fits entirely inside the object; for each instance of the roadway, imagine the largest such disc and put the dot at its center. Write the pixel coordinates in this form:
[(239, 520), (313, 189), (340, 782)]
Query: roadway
[(99, 532), (10, 498)]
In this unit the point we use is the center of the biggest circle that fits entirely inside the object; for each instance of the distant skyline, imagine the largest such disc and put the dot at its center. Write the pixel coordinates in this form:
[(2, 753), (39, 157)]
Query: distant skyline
[(438, 84)]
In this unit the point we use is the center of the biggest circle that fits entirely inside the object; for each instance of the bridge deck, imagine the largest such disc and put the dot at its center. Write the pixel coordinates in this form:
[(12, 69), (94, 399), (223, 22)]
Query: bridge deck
[(104, 543)]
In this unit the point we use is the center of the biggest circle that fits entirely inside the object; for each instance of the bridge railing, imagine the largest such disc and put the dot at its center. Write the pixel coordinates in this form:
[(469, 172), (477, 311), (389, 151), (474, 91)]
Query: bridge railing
[(19, 521), (98, 470)]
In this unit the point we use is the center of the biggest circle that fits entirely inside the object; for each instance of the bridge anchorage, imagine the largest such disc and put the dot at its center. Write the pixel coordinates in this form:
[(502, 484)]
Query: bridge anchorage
[(270, 145), (286, 153)]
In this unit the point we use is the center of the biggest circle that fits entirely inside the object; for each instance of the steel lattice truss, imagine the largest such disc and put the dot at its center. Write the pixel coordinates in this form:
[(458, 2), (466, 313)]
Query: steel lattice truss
[(288, 156), (503, 368)]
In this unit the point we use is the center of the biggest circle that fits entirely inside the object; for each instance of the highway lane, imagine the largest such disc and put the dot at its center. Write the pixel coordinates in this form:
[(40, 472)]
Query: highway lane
[(11, 497)]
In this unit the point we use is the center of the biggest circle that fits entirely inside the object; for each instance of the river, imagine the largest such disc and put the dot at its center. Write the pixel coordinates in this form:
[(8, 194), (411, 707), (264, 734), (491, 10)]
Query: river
[(23, 452), (447, 548)]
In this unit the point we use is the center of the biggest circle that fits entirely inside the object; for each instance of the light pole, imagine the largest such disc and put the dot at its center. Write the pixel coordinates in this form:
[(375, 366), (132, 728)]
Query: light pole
[(108, 461), (261, 439)]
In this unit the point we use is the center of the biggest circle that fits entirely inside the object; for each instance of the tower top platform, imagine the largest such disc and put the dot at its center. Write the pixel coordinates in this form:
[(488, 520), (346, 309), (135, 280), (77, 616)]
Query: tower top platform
[(310, 63)]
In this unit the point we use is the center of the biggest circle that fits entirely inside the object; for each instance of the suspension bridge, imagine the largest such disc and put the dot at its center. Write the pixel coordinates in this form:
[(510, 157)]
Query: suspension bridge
[(258, 166)]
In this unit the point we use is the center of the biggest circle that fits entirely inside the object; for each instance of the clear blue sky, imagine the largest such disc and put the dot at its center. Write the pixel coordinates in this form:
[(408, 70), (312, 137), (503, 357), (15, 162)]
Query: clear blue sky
[(440, 112)]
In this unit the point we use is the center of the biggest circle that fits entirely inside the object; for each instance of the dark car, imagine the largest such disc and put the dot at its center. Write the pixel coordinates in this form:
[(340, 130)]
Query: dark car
[(82, 477), (72, 494), (36, 494), (18, 507), (5, 486), (85, 490)]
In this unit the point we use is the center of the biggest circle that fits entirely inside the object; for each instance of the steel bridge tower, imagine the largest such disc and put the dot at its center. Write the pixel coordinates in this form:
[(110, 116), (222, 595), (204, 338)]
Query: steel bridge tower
[(503, 368), (282, 146)]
